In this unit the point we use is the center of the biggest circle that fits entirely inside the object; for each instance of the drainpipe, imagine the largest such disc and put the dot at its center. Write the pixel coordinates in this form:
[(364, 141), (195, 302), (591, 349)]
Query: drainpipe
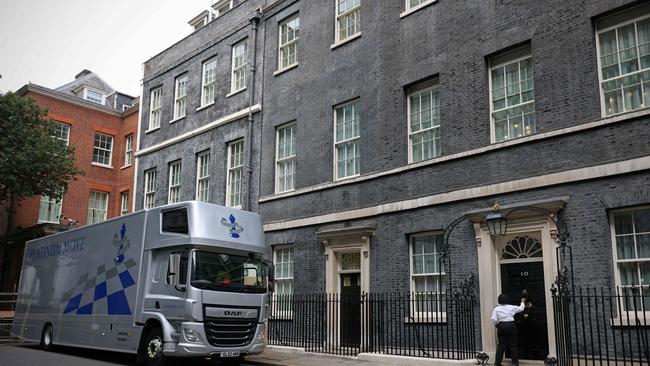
[(254, 19)]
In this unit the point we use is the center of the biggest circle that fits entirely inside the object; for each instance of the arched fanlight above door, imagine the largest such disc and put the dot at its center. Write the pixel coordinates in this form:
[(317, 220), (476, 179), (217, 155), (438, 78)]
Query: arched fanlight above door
[(350, 261), (522, 247)]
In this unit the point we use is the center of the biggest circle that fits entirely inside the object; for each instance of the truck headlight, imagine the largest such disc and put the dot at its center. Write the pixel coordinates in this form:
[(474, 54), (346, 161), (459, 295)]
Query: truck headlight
[(260, 336), (192, 335)]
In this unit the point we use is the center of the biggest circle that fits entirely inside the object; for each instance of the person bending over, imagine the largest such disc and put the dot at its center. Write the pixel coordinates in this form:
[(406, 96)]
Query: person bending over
[(503, 317)]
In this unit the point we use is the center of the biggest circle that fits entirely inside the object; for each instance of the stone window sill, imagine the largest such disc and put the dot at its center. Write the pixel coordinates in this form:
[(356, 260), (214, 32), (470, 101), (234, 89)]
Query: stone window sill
[(204, 106), (347, 40), (102, 165), (176, 120), (416, 8), (281, 71), (235, 92)]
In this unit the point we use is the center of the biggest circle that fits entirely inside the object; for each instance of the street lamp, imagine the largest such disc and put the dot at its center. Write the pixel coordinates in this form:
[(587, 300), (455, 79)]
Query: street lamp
[(497, 223)]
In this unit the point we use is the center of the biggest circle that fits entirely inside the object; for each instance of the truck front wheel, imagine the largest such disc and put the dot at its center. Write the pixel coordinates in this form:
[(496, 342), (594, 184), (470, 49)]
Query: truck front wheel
[(46, 338), (154, 348)]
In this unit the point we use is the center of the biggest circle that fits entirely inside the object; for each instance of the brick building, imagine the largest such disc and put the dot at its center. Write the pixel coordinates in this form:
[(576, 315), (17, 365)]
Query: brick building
[(360, 130), (101, 124)]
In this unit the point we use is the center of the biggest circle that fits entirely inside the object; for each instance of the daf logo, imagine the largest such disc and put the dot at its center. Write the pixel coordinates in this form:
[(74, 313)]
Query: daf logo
[(230, 313)]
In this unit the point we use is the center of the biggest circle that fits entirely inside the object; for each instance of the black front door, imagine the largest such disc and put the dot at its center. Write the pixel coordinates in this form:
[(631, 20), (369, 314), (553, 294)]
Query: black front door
[(532, 334), (350, 324)]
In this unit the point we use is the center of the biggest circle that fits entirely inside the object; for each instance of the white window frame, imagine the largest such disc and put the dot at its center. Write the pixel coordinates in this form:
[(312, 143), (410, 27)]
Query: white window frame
[(104, 149), (426, 316), (283, 299), (203, 176), (51, 208), (288, 159), (124, 203), (355, 139), (243, 67), (174, 182), (128, 150), (639, 72), (155, 108), (337, 25), (433, 88), (234, 199), (219, 5), (208, 98), (492, 110), (412, 9), (102, 96), (92, 197), (180, 97), (284, 46), (62, 132), (150, 184), (617, 276)]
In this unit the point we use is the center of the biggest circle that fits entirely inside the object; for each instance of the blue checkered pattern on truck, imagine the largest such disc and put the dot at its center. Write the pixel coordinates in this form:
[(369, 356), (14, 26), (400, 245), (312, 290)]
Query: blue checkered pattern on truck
[(104, 291)]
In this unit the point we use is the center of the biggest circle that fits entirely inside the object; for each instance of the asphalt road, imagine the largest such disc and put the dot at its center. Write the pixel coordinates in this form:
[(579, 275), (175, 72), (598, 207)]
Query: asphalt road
[(68, 356)]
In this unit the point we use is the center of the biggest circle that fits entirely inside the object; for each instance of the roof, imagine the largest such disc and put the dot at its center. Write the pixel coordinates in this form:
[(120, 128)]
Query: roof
[(199, 18), (86, 78), (34, 88)]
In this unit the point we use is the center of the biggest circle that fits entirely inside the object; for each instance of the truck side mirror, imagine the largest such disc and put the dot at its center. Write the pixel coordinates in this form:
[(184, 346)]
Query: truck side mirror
[(174, 269), (271, 278)]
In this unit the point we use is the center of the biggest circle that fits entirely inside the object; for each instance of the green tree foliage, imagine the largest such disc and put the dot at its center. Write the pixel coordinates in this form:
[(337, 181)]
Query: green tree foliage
[(32, 162)]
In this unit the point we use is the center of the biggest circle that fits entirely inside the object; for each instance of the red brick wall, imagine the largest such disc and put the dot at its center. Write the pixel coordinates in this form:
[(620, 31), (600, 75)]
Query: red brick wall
[(125, 176), (84, 122)]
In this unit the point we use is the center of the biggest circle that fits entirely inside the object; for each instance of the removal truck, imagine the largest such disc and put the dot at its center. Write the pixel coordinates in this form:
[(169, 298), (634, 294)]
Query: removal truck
[(183, 280)]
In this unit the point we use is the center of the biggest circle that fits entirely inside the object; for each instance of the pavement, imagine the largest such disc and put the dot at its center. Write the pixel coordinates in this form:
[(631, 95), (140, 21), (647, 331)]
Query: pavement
[(303, 359), (30, 354), (25, 355)]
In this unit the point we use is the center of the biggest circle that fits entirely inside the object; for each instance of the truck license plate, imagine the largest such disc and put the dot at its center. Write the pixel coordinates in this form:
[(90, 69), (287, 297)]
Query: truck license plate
[(230, 354)]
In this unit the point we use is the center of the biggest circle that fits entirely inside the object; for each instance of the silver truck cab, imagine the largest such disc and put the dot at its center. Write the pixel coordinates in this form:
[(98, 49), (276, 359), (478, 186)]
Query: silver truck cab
[(205, 283)]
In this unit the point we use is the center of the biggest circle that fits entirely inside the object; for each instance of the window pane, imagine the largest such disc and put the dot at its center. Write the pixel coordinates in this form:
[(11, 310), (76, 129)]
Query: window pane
[(643, 243), (418, 265), (513, 100), (234, 179), (645, 279), (97, 207), (49, 210), (627, 49), (420, 284), (642, 221), (625, 247), (623, 223), (628, 273), (431, 263), (347, 126)]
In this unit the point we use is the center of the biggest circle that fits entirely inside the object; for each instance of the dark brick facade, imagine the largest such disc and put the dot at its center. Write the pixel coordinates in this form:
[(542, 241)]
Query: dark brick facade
[(451, 41)]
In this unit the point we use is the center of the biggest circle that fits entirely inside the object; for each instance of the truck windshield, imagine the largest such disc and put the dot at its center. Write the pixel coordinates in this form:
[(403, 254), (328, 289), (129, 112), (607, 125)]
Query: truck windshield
[(227, 272)]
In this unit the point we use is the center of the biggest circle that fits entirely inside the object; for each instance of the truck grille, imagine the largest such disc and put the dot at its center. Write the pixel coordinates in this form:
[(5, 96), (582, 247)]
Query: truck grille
[(230, 332)]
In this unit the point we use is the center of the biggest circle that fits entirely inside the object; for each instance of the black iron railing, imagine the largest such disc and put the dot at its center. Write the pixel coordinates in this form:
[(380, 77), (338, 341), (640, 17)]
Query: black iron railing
[(601, 326), (7, 311), (431, 325)]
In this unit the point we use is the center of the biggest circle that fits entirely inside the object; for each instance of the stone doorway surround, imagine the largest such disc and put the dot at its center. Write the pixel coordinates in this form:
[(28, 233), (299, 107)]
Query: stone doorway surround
[(346, 240), (488, 261)]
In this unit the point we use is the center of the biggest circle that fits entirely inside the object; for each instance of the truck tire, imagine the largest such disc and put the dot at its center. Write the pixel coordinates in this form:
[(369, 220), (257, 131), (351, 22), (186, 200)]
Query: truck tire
[(153, 348), (46, 338)]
